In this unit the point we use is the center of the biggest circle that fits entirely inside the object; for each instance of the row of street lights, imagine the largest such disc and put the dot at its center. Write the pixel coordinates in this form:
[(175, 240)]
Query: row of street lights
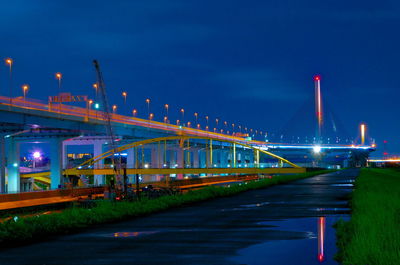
[(25, 88), (188, 124)]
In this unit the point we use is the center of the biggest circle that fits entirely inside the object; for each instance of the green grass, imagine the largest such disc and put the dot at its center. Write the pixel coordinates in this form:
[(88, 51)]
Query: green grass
[(372, 236), (71, 220)]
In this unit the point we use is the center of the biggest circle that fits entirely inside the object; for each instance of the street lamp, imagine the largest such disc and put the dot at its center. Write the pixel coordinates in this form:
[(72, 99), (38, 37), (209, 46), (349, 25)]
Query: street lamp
[(10, 62), (166, 106), (124, 94), (59, 77), (134, 112), (207, 120), (198, 126), (183, 114), (151, 116), (216, 121), (196, 114), (177, 122), (96, 87), (114, 108), (148, 106), (189, 124), (165, 119), (25, 89), (89, 104), (36, 156)]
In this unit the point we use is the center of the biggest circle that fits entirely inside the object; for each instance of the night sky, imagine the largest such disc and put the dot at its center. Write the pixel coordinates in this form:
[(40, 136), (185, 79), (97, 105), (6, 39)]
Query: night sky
[(247, 62)]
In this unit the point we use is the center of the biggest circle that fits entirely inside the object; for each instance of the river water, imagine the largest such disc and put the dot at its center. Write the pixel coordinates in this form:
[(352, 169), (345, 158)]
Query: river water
[(284, 224)]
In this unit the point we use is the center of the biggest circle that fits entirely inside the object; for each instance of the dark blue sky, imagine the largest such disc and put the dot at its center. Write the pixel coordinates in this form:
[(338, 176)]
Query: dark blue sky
[(247, 62)]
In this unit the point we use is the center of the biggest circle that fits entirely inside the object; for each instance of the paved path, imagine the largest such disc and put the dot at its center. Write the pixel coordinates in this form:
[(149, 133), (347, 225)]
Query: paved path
[(255, 227)]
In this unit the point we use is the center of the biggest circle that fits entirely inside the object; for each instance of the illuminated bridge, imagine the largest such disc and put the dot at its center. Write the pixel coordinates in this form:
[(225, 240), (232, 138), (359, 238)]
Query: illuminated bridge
[(155, 150)]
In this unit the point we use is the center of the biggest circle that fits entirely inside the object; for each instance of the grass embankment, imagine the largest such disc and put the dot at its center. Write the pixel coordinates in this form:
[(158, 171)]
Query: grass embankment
[(372, 236), (71, 220)]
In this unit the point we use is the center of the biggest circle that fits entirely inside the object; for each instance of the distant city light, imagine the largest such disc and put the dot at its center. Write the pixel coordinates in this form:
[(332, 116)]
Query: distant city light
[(36, 155), (316, 149)]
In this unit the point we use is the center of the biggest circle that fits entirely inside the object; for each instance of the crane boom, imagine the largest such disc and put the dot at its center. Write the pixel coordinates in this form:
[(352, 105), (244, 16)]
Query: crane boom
[(106, 115)]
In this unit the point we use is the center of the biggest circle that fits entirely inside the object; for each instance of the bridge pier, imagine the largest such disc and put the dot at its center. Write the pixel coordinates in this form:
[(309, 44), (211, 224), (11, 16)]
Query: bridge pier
[(13, 161), (98, 150), (56, 163), (2, 164), (224, 158), (195, 158), (180, 158)]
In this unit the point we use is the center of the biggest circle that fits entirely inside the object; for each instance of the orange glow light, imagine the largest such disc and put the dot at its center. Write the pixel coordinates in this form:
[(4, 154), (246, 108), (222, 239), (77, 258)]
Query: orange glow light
[(9, 61)]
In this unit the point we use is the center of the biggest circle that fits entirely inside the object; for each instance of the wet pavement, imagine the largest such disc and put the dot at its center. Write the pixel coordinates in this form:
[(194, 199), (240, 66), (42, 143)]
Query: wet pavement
[(285, 224)]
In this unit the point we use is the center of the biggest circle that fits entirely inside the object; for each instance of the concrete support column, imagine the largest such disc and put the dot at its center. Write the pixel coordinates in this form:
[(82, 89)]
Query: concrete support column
[(2, 164), (13, 161), (98, 150), (172, 158), (130, 158), (180, 161), (56, 163), (64, 155), (223, 158), (195, 158), (203, 159), (155, 157), (239, 157)]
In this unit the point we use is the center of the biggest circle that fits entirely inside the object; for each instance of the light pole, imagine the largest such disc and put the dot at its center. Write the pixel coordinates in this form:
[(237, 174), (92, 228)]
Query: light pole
[(166, 106), (216, 122), (96, 87), (10, 62), (233, 128), (114, 108), (25, 89), (134, 112), (124, 95), (148, 106), (226, 125), (183, 115), (59, 77), (36, 156), (207, 120), (89, 104), (195, 115), (177, 122), (151, 116)]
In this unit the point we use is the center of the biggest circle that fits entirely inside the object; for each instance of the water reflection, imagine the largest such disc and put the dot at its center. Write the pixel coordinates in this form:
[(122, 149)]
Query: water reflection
[(133, 234), (321, 238)]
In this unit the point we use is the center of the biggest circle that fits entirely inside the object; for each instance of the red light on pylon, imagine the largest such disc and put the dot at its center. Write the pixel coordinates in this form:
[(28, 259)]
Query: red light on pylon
[(385, 142), (317, 78), (320, 257)]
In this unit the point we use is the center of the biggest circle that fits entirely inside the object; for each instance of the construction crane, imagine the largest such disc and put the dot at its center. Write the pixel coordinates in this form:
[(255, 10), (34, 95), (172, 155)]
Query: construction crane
[(106, 115)]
